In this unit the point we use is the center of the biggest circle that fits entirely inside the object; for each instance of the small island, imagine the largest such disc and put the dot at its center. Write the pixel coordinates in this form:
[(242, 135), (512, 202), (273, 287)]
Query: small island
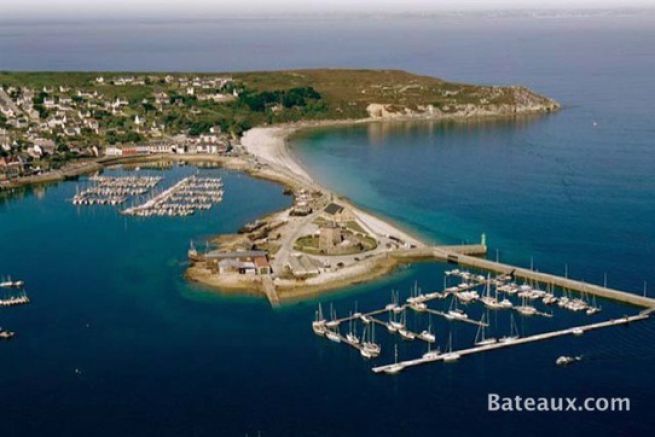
[(59, 125)]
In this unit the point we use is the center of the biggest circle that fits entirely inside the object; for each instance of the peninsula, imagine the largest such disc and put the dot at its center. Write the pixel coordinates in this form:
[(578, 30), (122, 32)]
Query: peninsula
[(56, 125)]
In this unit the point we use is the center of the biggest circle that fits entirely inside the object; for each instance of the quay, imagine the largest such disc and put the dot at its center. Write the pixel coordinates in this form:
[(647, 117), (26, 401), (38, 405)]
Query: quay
[(469, 256), (182, 199), (578, 330), (547, 278)]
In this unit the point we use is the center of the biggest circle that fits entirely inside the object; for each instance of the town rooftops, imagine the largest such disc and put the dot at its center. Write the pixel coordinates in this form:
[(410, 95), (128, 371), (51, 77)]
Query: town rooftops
[(333, 209)]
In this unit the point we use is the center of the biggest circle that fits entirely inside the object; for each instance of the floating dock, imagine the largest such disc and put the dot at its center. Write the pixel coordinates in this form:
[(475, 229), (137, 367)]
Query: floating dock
[(578, 330)]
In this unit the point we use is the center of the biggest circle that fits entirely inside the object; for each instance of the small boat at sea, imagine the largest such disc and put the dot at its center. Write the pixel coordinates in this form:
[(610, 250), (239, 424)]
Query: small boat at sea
[(6, 335), (565, 360)]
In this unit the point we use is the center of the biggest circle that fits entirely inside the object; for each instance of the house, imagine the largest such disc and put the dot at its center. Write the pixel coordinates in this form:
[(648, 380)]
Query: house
[(113, 151), (46, 145), (13, 167), (35, 152), (246, 262)]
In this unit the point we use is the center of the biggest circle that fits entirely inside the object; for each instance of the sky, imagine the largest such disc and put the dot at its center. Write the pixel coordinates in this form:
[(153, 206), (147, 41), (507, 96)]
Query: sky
[(190, 8)]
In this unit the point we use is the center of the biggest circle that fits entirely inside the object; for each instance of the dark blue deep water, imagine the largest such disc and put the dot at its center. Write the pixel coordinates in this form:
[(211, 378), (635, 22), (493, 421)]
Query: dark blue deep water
[(157, 356)]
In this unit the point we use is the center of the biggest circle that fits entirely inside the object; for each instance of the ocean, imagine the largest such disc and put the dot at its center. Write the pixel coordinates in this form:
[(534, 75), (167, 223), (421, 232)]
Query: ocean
[(116, 342)]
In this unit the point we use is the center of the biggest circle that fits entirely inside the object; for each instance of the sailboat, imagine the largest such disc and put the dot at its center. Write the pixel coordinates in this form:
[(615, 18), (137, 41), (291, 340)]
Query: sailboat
[(333, 314), (513, 332), (6, 335), (489, 301), (351, 336), (330, 334), (394, 325), (318, 325), (454, 312), (525, 309), (427, 335), (593, 309), (390, 306), (480, 339), (450, 356), (369, 348), (431, 354), (396, 366), (403, 331), (356, 313)]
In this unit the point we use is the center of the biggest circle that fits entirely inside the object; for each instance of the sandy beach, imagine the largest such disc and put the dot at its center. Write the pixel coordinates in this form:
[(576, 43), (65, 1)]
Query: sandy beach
[(270, 145)]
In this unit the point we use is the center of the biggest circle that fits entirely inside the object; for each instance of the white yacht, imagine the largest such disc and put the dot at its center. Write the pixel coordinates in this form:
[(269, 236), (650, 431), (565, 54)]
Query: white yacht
[(577, 331), (427, 336), (332, 336), (431, 354), (318, 325), (565, 360), (513, 332), (369, 349), (450, 356), (480, 337), (6, 335), (506, 303), (396, 367)]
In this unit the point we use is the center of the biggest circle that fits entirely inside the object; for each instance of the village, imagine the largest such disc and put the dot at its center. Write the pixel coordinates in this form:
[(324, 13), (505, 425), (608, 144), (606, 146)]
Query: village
[(43, 129)]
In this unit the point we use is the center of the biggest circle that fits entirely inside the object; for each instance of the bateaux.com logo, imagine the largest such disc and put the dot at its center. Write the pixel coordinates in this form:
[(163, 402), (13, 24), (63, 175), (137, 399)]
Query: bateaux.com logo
[(496, 402)]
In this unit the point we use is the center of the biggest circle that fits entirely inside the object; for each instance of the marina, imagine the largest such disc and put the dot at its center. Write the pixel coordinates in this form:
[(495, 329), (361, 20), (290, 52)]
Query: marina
[(493, 294), (14, 295), (182, 199), (107, 190)]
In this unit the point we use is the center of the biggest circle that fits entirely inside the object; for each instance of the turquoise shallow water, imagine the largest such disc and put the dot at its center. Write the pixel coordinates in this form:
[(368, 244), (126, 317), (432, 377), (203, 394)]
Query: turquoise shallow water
[(158, 356)]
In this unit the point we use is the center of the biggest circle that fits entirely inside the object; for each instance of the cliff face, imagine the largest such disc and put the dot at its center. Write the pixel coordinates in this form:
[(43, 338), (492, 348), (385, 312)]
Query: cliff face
[(492, 101)]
